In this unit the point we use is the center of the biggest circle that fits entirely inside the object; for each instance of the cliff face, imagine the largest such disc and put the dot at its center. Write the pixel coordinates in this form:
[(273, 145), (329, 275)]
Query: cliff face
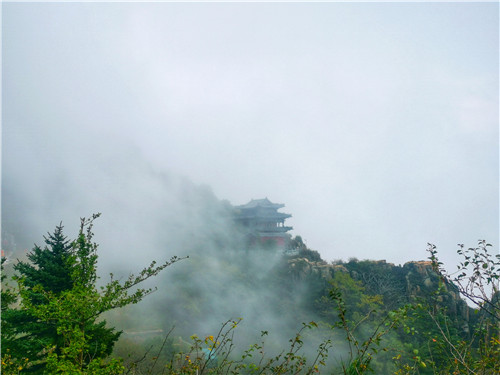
[(420, 278), (301, 268), (411, 282), (423, 281)]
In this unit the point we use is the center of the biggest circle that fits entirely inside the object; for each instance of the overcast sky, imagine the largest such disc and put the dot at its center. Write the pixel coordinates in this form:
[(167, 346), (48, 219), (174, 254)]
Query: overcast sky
[(376, 124)]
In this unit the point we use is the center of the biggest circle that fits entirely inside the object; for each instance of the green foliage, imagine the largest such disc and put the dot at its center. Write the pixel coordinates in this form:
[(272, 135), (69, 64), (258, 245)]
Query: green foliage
[(440, 337), (380, 278), (367, 335), (215, 354), (296, 243), (48, 268), (68, 333), (477, 279), (355, 301), (311, 255), (10, 364), (375, 317)]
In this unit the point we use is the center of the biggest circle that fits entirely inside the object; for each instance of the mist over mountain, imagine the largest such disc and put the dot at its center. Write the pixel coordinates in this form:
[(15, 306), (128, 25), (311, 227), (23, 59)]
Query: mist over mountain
[(375, 124), (147, 213), (150, 214)]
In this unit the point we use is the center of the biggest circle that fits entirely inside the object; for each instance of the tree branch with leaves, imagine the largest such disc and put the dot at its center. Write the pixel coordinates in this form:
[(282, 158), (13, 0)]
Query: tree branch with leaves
[(78, 341)]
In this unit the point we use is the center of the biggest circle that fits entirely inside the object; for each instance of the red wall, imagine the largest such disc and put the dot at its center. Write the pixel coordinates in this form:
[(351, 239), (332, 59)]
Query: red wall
[(280, 241)]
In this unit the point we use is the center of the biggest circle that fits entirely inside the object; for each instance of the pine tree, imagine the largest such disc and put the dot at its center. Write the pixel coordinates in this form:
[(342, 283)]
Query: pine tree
[(50, 266), (57, 327), (51, 270), (8, 299)]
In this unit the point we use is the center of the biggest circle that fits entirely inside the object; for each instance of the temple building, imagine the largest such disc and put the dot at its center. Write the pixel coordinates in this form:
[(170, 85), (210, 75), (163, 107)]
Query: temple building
[(262, 222)]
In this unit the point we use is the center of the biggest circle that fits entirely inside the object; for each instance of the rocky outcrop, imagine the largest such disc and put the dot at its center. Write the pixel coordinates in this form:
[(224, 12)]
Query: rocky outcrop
[(423, 281), (411, 282), (301, 268)]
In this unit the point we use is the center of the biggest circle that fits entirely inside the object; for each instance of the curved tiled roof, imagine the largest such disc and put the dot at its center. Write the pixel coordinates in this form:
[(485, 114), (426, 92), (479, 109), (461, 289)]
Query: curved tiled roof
[(261, 203)]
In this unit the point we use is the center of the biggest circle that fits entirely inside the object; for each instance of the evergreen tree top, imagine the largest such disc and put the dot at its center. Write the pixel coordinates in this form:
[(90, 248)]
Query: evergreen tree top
[(49, 266)]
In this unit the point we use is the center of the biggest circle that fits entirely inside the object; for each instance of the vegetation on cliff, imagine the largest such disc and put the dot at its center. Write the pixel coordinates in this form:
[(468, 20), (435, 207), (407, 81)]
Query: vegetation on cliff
[(243, 312)]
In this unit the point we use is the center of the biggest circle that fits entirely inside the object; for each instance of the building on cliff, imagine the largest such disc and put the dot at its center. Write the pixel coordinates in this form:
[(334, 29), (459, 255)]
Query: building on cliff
[(262, 223)]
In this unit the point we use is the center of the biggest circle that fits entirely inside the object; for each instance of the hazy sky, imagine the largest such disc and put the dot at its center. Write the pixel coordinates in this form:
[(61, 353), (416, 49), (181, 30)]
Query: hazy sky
[(376, 124)]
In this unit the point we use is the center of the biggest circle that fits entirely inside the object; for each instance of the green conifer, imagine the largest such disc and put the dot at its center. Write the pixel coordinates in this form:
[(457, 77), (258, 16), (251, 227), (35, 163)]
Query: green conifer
[(50, 269)]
